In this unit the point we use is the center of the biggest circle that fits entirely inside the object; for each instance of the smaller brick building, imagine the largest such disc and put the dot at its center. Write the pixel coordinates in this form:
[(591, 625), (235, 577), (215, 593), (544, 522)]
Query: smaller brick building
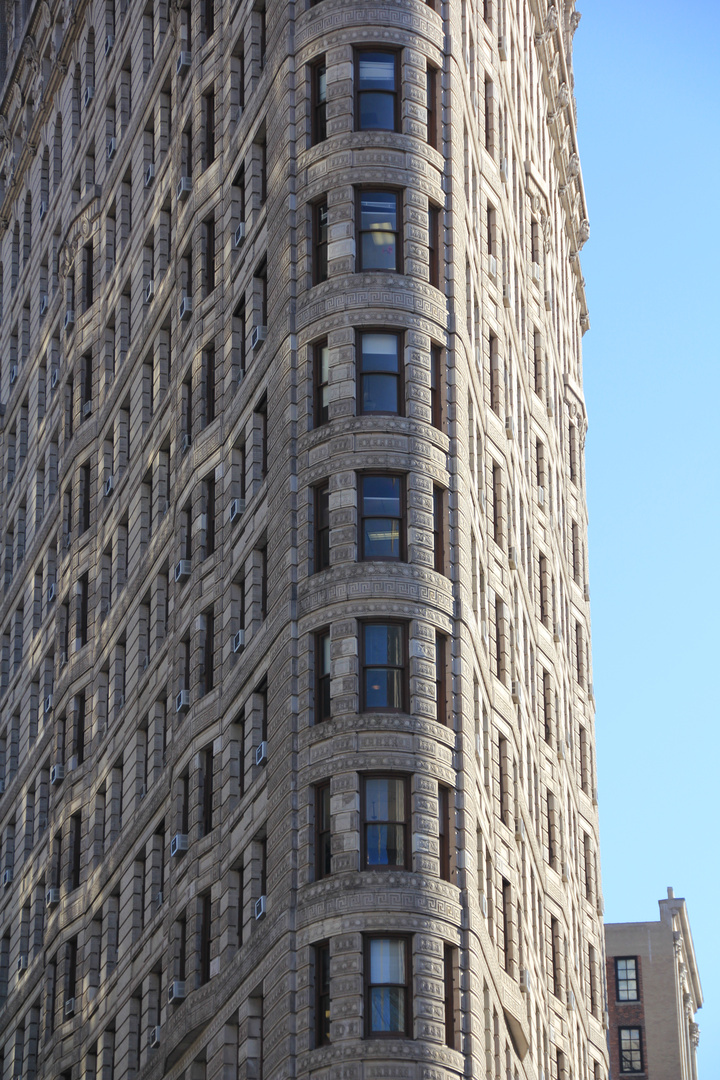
[(653, 993)]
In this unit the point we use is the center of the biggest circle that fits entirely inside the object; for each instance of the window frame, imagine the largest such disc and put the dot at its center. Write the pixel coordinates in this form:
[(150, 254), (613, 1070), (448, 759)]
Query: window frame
[(405, 680), (626, 1000), (322, 993), (433, 112), (367, 189), (406, 939), (319, 714), (633, 1071), (319, 530), (360, 372), (436, 383), (362, 517), (318, 127), (321, 873), (396, 93), (434, 244), (318, 385), (406, 824), (319, 246)]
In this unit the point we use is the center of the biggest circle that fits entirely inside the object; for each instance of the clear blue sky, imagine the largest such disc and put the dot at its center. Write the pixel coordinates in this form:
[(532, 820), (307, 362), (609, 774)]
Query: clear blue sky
[(648, 89)]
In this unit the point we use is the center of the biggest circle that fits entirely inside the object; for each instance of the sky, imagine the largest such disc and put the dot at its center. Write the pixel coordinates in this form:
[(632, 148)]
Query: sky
[(647, 80)]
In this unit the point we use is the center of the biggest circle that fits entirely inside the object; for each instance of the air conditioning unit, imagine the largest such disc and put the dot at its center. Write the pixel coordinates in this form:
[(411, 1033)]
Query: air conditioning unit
[(13, 373), (182, 701), (43, 303), (109, 485), (541, 495), (7, 877), (52, 897), (237, 509), (88, 95), (483, 904), (109, 42), (69, 1009), (591, 692), (492, 267), (69, 319), (525, 980), (110, 149), (502, 47), (261, 753), (48, 703), (504, 171), (185, 308), (512, 558), (178, 844), (536, 273), (43, 209), (22, 964), (509, 427), (507, 300), (240, 234), (145, 663), (557, 632), (561, 749), (183, 569), (185, 443), (519, 829), (260, 906), (149, 291), (143, 791), (54, 377), (184, 188), (149, 175), (516, 691), (176, 990), (258, 335), (154, 1039), (571, 1000), (548, 300), (87, 409), (238, 641), (57, 774), (564, 871), (606, 1019), (600, 906), (184, 61)]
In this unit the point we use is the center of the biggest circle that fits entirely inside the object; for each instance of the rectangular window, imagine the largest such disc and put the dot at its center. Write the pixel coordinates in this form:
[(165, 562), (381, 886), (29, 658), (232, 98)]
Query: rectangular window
[(209, 493), (631, 1060), (209, 652), (434, 244), (626, 978), (431, 89), (319, 242), (208, 375), (208, 765), (377, 78), (387, 981), (322, 527), (321, 379), (441, 703), (380, 386), (322, 676), (209, 236), (383, 667), (444, 831), (379, 216), (209, 120), (323, 853), (449, 996), (381, 517), (322, 994), (386, 813), (438, 532), (435, 387), (318, 103), (205, 937)]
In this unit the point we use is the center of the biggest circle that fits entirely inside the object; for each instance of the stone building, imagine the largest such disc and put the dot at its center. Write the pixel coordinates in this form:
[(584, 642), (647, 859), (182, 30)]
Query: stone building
[(296, 711), (654, 991)]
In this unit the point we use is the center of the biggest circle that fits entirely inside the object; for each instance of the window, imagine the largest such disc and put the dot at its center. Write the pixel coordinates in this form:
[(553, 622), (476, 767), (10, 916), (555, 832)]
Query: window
[(377, 77), (445, 831), (319, 242), (630, 1050), (626, 978), (448, 966), (434, 244), (208, 102), (431, 89), (322, 527), (438, 535), (321, 378), (379, 383), (435, 387), (322, 676), (383, 670), (318, 103), (379, 245), (385, 812), (322, 994), (323, 835), (441, 703), (205, 937), (381, 517), (387, 983)]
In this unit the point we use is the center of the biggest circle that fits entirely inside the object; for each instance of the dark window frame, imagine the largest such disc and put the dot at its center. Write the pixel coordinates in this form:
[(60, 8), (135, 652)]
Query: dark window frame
[(318, 105), (405, 667), (322, 701), (632, 1071), (396, 93), (321, 530), (618, 961), (406, 824), (369, 189), (319, 242), (321, 410), (322, 830), (441, 681), (362, 516), (439, 529), (406, 939), (445, 803), (436, 384), (434, 244), (322, 993), (360, 371), (433, 112)]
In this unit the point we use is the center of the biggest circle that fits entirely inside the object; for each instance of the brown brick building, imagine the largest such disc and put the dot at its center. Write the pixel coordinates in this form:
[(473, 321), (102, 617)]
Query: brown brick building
[(296, 712)]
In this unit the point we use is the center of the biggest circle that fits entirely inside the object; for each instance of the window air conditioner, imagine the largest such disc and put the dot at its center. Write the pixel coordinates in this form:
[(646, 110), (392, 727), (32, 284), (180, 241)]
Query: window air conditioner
[(492, 267), (22, 964), (176, 990), (512, 558), (88, 95), (548, 300), (516, 691), (240, 234), (260, 906), (536, 273), (183, 569), (184, 188), (109, 485), (261, 753), (182, 701), (70, 1007), (557, 632), (502, 47), (110, 150), (509, 427), (178, 844), (54, 377), (239, 641), (507, 299), (7, 877), (483, 904), (541, 495), (149, 291), (69, 319), (258, 335), (185, 308), (504, 170), (57, 774), (149, 175), (48, 703), (561, 749), (109, 42), (43, 209), (43, 303), (52, 589), (13, 373), (154, 1040), (87, 409), (52, 897), (237, 509), (525, 980), (519, 830), (184, 61)]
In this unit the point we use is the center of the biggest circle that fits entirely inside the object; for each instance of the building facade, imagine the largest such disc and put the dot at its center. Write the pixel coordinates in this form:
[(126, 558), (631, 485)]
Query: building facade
[(654, 991), (296, 729)]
